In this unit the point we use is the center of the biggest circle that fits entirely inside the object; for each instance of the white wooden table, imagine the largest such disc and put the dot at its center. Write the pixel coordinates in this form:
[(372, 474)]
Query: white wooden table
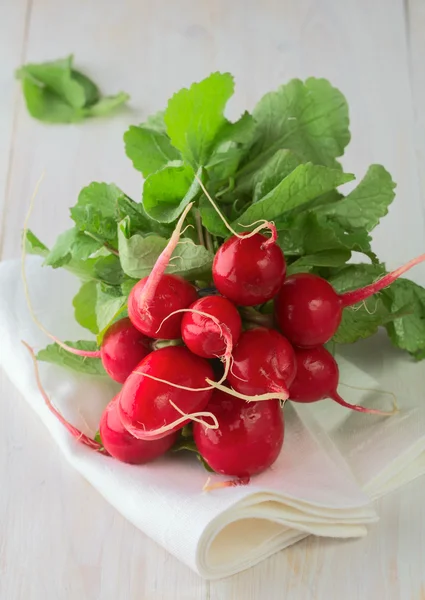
[(58, 538)]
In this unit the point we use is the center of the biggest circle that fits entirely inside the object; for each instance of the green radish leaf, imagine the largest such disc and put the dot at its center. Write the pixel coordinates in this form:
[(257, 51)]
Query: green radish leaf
[(194, 117), (167, 192), (106, 105), (366, 204), (211, 220), (363, 320), (407, 332), (44, 105), (140, 221), (109, 307), (91, 91), (95, 211), (139, 254), (54, 92), (309, 118), (127, 286), (72, 243), (326, 258), (97, 438), (281, 164), (109, 270), (84, 303), (34, 246), (305, 183), (149, 149), (58, 356), (309, 233)]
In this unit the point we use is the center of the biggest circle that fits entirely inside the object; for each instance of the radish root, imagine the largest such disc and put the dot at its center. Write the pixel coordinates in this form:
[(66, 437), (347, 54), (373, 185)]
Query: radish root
[(141, 433), (76, 433), (208, 487), (264, 224)]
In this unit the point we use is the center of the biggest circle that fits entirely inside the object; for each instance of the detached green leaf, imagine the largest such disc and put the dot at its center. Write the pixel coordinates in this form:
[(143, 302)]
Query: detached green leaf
[(84, 303), (149, 149), (106, 105), (58, 356), (309, 118), (56, 77), (194, 117), (46, 106), (167, 192), (367, 203), (54, 92), (305, 183), (95, 211)]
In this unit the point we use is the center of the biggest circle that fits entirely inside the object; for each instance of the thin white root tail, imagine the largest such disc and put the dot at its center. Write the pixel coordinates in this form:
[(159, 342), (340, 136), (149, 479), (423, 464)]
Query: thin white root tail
[(264, 224), (142, 434), (76, 433)]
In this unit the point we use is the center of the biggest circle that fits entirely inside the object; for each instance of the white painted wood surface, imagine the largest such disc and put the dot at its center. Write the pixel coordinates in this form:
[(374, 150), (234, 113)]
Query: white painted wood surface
[(58, 537)]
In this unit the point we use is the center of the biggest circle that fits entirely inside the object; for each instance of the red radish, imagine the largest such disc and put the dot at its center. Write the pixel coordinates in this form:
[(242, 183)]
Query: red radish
[(151, 409), (148, 316), (203, 336), (155, 297), (122, 349), (120, 444), (263, 361), (317, 378), (249, 269), (249, 437), (309, 311)]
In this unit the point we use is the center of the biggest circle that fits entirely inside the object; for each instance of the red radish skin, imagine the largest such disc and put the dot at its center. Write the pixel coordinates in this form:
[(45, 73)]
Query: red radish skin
[(145, 404), (249, 270), (317, 378), (204, 337), (172, 294), (155, 297), (122, 349), (249, 437), (263, 361), (120, 444), (308, 309)]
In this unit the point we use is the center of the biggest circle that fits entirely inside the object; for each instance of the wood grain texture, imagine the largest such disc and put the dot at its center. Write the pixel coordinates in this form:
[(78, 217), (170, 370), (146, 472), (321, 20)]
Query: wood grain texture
[(71, 544)]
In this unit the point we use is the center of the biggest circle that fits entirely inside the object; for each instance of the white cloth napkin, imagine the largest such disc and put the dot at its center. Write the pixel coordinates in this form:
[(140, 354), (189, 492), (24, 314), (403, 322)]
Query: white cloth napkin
[(310, 489)]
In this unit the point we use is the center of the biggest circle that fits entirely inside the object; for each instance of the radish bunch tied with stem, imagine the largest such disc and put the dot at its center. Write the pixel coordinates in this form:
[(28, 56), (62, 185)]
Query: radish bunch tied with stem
[(212, 299)]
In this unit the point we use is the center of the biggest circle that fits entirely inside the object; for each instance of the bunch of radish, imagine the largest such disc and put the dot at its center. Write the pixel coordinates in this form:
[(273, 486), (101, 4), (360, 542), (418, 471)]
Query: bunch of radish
[(225, 377)]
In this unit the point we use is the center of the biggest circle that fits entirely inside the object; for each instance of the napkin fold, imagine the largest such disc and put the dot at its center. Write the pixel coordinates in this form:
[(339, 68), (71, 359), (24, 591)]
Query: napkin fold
[(315, 486)]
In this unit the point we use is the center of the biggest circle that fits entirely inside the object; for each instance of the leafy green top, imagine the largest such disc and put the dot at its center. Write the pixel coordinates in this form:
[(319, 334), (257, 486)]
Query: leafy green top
[(280, 164)]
